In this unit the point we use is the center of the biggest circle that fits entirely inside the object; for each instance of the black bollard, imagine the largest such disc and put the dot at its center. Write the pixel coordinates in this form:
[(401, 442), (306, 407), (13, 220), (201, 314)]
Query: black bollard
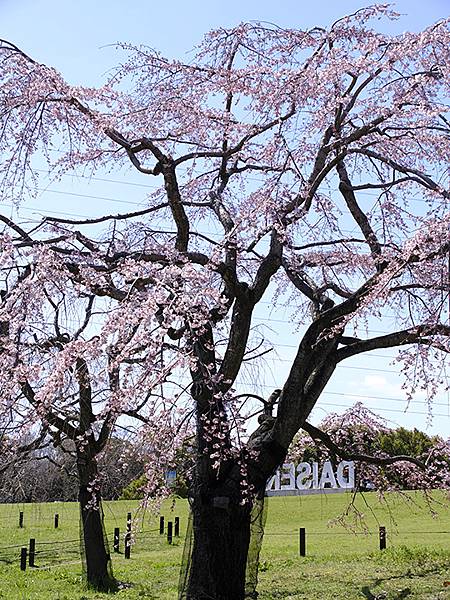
[(116, 539), (382, 538), (128, 545), (23, 559), (31, 552), (302, 541)]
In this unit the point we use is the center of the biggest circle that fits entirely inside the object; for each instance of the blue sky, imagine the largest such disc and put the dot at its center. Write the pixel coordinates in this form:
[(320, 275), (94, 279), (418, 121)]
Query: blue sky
[(77, 38), (72, 35)]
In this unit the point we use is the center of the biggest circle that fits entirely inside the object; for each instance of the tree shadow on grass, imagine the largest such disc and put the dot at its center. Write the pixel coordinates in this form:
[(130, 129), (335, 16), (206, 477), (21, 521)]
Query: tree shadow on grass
[(398, 596), (401, 593)]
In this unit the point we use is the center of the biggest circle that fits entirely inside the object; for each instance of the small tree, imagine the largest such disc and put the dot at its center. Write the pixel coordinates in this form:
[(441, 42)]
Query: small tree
[(271, 138), (69, 379)]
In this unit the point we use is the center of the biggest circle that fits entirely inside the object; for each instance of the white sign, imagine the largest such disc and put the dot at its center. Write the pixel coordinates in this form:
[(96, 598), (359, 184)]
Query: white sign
[(308, 476)]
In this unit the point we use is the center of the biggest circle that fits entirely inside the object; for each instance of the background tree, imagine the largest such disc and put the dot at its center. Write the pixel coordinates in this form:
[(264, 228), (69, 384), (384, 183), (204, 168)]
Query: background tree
[(121, 462), (46, 475), (359, 433), (50, 474), (269, 138), (182, 466)]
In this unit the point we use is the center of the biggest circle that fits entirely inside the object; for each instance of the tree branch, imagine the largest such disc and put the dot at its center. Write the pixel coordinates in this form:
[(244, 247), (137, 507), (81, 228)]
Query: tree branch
[(414, 335), (376, 460)]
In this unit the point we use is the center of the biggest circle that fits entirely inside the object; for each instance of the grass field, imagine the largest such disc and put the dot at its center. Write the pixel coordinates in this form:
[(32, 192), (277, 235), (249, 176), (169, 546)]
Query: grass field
[(339, 564)]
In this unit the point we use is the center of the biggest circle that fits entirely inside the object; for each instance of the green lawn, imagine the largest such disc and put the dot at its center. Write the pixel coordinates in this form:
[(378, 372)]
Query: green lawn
[(339, 564)]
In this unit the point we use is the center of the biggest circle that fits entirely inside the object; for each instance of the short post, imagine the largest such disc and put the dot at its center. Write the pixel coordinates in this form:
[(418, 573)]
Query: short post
[(116, 539), (177, 527), (31, 552), (128, 544), (161, 525), (382, 538), (21, 519), (128, 537), (169, 532), (56, 520), (23, 559), (302, 541)]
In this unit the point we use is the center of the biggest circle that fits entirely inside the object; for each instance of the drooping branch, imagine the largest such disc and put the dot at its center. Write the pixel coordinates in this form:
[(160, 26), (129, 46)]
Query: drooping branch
[(413, 174), (323, 437)]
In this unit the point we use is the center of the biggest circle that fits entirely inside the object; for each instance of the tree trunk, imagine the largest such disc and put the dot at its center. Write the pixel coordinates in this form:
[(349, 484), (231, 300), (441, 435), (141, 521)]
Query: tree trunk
[(221, 530), (97, 560)]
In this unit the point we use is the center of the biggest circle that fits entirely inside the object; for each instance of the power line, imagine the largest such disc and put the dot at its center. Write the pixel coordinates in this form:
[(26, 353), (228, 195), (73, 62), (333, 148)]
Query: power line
[(113, 200), (380, 409), (320, 403), (89, 196), (389, 398), (149, 186), (102, 179), (129, 202)]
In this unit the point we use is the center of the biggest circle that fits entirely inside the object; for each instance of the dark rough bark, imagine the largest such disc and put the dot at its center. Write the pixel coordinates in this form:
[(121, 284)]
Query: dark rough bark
[(221, 531), (97, 560)]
